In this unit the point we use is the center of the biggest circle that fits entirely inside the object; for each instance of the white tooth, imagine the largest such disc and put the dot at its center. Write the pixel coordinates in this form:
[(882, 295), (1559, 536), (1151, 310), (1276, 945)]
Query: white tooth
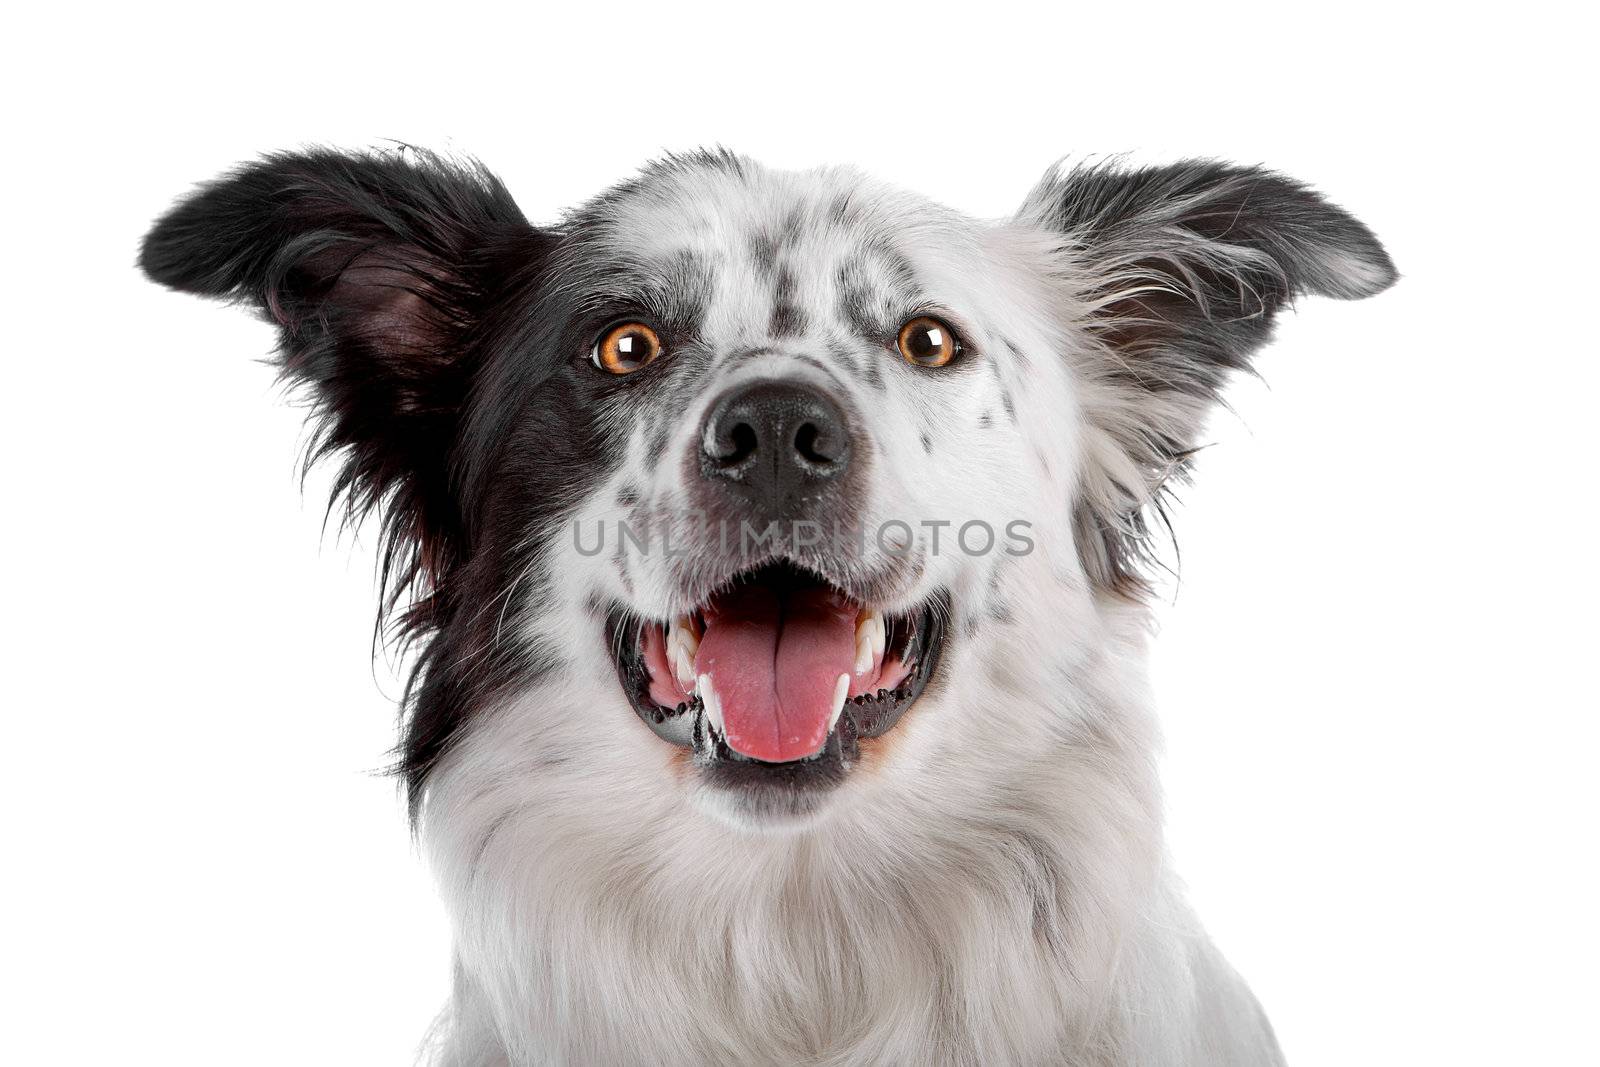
[(870, 639), (681, 647), (708, 697), (685, 628), (841, 691), (682, 668), (863, 653)]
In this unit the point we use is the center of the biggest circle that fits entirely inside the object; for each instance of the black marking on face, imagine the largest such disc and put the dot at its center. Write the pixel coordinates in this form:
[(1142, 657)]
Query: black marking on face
[(764, 253), (896, 269), (999, 608), (857, 303), (1007, 403), (927, 442), (877, 291), (986, 420), (821, 367), (874, 372), (690, 280), (628, 496), (658, 444), (794, 221), (788, 318), (842, 211), (1017, 353), (849, 356)]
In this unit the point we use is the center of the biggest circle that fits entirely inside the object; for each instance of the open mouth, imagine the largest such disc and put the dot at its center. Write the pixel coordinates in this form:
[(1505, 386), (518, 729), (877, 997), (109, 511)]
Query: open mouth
[(780, 670)]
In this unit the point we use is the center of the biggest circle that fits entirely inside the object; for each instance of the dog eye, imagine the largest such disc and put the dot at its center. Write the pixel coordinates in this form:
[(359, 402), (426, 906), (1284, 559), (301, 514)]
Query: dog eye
[(928, 342), (626, 347)]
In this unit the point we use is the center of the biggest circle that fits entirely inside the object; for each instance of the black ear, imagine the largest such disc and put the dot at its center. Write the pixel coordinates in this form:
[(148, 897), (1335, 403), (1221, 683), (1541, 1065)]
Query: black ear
[(1177, 274), (378, 271)]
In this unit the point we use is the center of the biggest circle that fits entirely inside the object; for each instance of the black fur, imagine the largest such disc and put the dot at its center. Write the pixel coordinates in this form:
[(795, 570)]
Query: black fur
[(400, 283), (1193, 262), (376, 270), (1194, 320)]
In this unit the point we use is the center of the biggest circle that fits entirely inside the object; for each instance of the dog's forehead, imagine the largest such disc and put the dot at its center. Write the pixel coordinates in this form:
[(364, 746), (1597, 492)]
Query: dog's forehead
[(720, 206), (791, 245)]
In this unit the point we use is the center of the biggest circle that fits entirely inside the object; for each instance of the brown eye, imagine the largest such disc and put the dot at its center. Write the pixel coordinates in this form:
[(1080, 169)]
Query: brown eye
[(928, 342), (626, 347)]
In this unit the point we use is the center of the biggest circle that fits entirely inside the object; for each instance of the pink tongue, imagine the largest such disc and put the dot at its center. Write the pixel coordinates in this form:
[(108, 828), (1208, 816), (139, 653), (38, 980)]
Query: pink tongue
[(775, 663)]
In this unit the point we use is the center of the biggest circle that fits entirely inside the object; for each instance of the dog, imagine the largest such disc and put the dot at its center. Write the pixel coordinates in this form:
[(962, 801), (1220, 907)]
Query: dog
[(775, 551)]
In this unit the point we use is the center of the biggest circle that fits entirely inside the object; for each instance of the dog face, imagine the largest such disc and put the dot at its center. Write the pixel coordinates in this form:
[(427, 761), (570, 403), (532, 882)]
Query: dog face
[(755, 492), (773, 546), (815, 450)]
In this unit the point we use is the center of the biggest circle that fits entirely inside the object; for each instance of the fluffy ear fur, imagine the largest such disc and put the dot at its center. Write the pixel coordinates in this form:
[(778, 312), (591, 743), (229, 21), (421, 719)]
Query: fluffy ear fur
[(1181, 271), (377, 270)]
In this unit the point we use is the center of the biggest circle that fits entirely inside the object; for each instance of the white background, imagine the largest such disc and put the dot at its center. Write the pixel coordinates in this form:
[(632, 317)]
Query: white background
[(1376, 678)]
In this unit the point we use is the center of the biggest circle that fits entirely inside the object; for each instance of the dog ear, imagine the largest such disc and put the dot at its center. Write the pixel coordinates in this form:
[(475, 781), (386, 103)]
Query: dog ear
[(1178, 273), (378, 271)]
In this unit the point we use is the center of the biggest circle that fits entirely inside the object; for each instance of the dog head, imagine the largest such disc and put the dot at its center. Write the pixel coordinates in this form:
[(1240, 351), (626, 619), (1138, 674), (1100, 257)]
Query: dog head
[(749, 491)]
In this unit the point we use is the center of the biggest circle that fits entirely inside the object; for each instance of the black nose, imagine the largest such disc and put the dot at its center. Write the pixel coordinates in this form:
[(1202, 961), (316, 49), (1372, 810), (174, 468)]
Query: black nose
[(775, 442)]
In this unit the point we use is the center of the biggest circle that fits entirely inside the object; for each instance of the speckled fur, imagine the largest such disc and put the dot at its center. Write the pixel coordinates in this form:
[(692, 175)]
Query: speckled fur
[(989, 885)]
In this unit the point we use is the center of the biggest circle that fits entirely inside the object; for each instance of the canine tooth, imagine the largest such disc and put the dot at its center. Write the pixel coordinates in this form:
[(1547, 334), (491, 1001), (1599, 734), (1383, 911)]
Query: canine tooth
[(708, 699), (841, 690), (687, 633), (682, 644), (870, 639), (863, 654), (682, 667)]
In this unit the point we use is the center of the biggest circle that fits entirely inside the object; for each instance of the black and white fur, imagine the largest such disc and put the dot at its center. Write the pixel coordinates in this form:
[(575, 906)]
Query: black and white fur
[(990, 886)]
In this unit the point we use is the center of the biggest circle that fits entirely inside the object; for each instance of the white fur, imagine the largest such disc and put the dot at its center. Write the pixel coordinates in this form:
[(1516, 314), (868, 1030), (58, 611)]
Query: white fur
[(991, 887)]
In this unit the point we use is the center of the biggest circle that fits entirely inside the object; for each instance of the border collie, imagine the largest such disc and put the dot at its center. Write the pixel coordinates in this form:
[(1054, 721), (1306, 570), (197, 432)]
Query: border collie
[(775, 548)]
